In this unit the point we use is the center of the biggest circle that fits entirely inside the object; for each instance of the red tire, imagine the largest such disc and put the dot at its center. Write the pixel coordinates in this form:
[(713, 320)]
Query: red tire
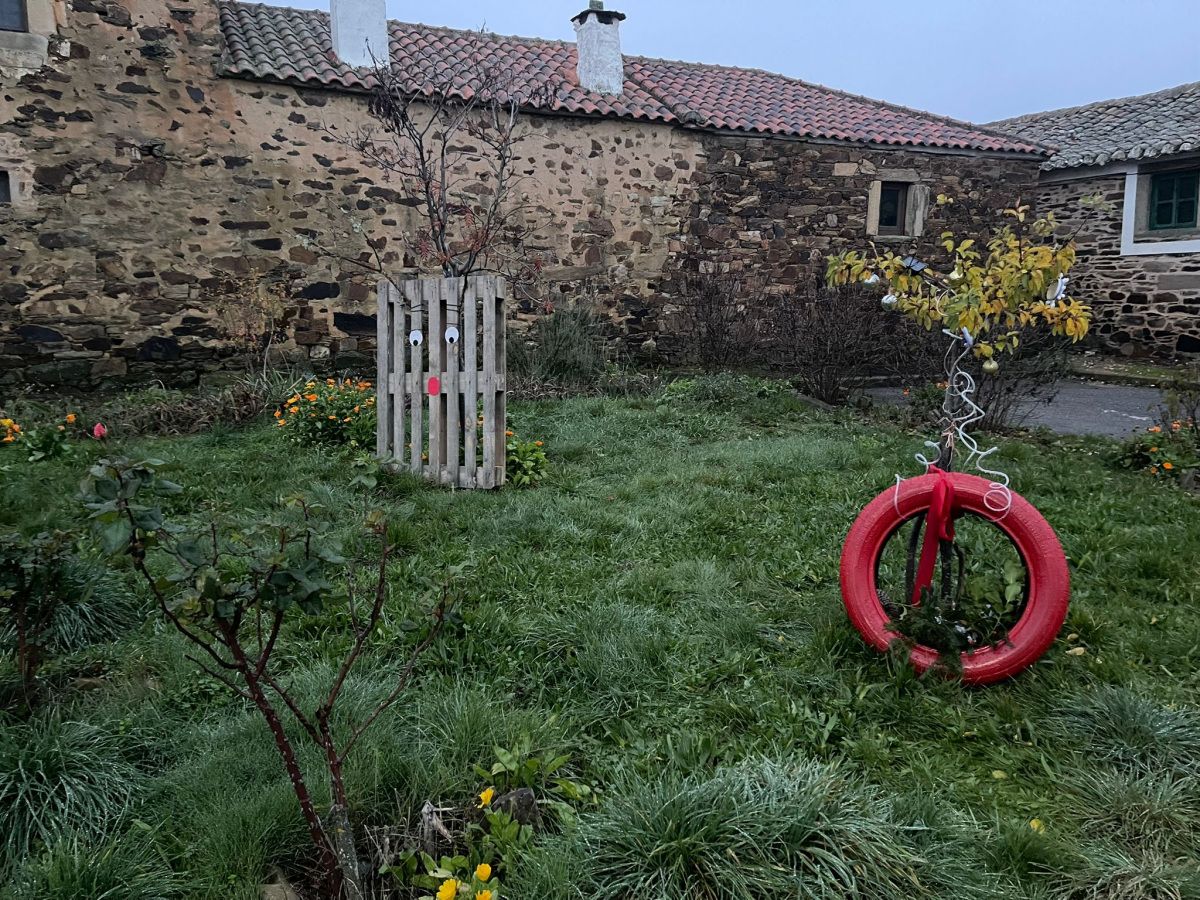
[(1046, 564)]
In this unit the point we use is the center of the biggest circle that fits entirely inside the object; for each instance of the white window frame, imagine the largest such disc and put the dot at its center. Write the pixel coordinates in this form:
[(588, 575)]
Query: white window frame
[(1130, 245)]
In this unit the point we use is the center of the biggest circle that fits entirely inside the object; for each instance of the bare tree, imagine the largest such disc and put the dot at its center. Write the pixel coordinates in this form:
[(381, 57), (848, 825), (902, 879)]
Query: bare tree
[(447, 145)]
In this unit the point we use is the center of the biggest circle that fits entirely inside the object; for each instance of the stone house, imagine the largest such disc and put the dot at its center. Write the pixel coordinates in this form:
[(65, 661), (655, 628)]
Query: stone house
[(1126, 181), (149, 146)]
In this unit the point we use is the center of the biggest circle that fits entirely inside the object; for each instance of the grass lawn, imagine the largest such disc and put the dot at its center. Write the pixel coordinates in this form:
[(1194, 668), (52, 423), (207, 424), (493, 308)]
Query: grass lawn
[(665, 609)]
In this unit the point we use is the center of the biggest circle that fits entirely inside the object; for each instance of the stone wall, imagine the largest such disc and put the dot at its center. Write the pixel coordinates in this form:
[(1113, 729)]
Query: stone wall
[(778, 208), (144, 178), (1143, 305)]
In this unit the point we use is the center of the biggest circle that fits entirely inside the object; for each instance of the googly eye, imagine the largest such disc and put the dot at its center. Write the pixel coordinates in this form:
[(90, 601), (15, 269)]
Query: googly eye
[(416, 338), (451, 335)]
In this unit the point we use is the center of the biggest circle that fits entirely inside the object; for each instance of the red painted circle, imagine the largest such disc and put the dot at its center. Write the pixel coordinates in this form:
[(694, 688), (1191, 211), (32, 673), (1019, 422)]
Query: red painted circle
[(1049, 580), (435, 386)]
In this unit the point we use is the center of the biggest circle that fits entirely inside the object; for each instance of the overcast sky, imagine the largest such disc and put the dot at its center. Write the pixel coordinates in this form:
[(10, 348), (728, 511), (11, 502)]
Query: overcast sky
[(972, 59)]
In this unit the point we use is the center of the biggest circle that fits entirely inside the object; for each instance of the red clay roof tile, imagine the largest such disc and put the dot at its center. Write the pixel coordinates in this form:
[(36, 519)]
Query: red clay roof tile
[(282, 44)]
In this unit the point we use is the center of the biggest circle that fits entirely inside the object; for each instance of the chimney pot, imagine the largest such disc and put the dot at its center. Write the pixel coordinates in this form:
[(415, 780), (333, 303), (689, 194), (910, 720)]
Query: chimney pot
[(359, 31), (598, 41)]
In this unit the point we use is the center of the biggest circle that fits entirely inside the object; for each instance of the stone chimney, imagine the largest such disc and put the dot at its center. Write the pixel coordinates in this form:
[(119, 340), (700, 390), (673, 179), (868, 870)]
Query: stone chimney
[(359, 29), (601, 65)]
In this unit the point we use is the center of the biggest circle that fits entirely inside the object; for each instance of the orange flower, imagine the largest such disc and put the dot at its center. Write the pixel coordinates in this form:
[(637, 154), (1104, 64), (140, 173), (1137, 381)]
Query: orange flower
[(16, 428), (1168, 466), (332, 418), (311, 398), (358, 409), (539, 443), (293, 409), (281, 423), (70, 418), (510, 433), (1153, 449), (1155, 429), (278, 414)]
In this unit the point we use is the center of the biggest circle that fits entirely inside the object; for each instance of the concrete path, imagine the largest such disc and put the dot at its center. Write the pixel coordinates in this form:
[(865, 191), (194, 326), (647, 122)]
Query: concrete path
[(1083, 407)]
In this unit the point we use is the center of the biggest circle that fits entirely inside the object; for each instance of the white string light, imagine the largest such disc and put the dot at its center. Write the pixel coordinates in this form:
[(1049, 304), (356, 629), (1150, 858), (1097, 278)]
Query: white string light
[(961, 412)]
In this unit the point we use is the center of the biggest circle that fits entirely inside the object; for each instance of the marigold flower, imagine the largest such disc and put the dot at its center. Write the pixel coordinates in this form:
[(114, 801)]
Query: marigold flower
[(293, 409), (1168, 466), (485, 798), (16, 428), (278, 414), (1155, 429), (281, 422), (448, 890), (70, 418), (483, 872), (311, 398), (332, 418), (1153, 449), (510, 433), (484, 895), (539, 443), (7, 439)]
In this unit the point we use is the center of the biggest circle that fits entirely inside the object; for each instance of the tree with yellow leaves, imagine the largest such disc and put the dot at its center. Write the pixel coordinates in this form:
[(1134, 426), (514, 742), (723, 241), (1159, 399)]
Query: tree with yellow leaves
[(987, 296)]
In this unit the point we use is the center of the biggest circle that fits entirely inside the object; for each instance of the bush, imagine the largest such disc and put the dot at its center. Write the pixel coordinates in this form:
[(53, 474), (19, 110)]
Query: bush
[(565, 347), (832, 340), (1122, 728), (59, 780), (330, 412), (719, 320), (527, 461)]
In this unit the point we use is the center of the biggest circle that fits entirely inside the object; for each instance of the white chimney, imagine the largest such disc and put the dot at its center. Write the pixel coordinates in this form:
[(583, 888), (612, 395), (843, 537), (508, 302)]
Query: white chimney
[(601, 65), (359, 30)]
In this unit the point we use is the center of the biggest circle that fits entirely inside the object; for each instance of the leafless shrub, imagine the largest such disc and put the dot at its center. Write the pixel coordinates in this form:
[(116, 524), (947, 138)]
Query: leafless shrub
[(446, 143), (720, 320)]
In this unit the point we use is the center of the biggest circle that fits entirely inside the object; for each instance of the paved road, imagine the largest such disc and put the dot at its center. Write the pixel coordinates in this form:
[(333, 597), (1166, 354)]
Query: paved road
[(1084, 407)]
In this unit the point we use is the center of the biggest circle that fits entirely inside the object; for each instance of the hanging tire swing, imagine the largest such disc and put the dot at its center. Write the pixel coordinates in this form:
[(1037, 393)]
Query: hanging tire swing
[(934, 503)]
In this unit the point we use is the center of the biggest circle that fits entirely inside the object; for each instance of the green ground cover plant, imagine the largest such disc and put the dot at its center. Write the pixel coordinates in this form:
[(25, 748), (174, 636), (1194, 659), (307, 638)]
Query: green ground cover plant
[(662, 609)]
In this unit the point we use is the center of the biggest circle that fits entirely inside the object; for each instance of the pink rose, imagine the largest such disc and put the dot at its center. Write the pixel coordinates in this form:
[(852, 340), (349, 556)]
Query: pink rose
[(99, 432)]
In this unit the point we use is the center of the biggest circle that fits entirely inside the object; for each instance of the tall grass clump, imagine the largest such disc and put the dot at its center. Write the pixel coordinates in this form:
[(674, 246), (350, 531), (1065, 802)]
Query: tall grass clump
[(59, 779), (1122, 728), (73, 870), (763, 828)]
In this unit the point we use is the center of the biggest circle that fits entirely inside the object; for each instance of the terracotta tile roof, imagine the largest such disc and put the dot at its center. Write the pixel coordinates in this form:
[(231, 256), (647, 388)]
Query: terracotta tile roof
[(1113, 130), (291, 45)]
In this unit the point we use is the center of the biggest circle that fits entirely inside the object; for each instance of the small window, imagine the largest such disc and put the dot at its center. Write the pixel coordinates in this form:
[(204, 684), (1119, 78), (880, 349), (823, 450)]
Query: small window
[(12, 16), (5, 189), (893, 207), (1174, 197)]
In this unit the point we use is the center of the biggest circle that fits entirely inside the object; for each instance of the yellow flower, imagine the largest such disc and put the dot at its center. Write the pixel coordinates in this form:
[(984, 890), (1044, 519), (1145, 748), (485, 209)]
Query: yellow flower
[(485, 799), (281, 423), (448, 890), (70, 418), (1036, 825), (293, 409), (484, 895), (483, 872), (332, 418)]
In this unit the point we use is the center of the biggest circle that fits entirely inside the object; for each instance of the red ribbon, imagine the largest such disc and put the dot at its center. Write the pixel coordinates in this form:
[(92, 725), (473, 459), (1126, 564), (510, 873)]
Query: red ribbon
[(939, 526)]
